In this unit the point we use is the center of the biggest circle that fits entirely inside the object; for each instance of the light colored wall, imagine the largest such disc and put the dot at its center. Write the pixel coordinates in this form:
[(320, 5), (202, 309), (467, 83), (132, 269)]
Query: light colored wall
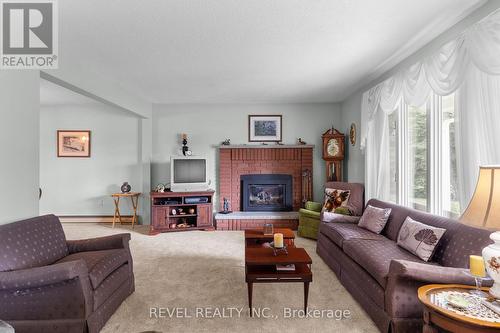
[(351, 106), (354, 163), (209, 125), (19, 111), (81, 186)]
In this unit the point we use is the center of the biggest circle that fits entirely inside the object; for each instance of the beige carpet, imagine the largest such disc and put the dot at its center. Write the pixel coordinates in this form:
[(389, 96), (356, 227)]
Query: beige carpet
[(205, 270)]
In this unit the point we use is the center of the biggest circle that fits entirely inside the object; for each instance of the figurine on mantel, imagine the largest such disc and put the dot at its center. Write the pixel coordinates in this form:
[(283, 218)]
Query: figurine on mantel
[(226, 142), (301, 142)]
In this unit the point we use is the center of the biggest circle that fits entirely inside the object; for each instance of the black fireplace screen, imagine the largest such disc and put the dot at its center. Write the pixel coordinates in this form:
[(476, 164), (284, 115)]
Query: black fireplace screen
[(269, 192)]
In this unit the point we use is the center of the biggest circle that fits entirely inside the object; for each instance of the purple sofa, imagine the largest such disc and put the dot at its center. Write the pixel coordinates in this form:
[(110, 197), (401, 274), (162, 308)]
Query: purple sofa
[(384, 277), (49, 284)]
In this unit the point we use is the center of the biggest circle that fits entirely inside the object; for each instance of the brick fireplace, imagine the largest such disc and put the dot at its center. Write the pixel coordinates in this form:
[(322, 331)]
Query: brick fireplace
[(235, 161)]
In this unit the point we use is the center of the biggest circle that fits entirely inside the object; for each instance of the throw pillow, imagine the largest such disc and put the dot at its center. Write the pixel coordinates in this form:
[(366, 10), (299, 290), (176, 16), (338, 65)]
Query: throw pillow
[(335, 198), (339, 218), (374, 219), (418, 238)]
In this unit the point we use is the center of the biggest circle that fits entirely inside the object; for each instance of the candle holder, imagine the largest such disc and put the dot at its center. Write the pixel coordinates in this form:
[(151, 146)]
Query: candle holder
[(479, 282), (278, 250)]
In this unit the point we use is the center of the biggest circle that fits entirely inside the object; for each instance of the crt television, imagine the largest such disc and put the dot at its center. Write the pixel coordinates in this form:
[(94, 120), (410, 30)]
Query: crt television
[(188, 173)]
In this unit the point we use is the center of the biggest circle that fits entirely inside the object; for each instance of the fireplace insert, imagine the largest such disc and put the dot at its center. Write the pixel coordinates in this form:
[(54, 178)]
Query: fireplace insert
[(266, 192)]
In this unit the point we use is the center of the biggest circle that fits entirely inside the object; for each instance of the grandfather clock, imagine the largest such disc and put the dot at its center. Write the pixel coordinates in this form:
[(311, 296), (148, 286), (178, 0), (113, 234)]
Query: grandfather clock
[(333, 153)]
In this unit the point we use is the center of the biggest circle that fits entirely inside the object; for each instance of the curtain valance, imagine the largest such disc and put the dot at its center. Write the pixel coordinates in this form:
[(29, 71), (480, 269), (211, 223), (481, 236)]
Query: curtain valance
[(443, 72)]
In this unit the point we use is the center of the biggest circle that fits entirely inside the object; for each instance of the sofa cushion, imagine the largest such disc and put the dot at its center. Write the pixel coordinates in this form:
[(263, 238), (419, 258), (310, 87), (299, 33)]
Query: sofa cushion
[(375, 256), (100, 263), (374, 218), (339, 232), (419, 239), (34, 242), (356, 197), (335, 198), (458, 242)]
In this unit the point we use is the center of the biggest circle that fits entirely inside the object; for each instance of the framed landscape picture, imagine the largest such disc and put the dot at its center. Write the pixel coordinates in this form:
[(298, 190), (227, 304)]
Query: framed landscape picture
[(74, 143), (264, 128)]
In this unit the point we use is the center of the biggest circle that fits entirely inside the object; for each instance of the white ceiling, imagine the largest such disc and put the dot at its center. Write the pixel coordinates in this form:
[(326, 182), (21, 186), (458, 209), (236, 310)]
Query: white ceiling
[(253, 51)]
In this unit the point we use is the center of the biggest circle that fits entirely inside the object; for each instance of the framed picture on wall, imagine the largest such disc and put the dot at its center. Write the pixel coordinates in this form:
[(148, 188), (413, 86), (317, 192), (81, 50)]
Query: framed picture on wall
[(73, 143), (264, 128)]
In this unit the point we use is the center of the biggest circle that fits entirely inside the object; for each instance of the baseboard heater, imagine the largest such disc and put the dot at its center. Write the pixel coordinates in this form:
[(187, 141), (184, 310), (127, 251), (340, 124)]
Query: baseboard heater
[(127, 219)]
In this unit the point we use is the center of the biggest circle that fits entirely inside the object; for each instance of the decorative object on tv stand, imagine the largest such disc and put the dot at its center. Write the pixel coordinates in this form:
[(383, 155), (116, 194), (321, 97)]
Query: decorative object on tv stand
[(125, 188), (484, 212), (226, 142), (352, 134), (264, 128), (73, 143), (301, 142), (160, 188), (333, 153), (268, 229), (185, 148)]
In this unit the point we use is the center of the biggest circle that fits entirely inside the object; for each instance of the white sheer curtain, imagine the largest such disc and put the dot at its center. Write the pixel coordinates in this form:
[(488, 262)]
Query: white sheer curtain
[(468, 65)]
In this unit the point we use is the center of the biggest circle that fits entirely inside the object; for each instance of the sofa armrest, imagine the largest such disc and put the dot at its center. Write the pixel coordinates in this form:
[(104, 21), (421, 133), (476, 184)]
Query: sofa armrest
[(429, 273), (43, 276), (118, 241), (309, 213)]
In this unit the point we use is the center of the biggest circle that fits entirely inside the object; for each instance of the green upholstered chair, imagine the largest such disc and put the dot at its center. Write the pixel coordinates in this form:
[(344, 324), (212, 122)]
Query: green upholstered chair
[(309, 219), (310, 215)]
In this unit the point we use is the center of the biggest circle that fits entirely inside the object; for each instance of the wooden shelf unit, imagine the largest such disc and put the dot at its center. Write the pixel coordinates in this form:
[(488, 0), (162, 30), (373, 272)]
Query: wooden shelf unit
[(162, 204)]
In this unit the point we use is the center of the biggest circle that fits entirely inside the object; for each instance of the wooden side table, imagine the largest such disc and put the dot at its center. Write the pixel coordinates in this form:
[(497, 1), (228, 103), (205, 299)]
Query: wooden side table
[(134, 197), (437, 317)]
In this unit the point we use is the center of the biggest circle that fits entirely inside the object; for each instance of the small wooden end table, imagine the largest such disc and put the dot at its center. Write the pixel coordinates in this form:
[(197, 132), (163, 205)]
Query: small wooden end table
[(134, 197), (436, 317), (260, 267), (256, 237)]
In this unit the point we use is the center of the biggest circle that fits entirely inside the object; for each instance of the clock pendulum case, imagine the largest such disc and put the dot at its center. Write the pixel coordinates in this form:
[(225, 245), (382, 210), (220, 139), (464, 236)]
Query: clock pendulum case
[(333, 153)]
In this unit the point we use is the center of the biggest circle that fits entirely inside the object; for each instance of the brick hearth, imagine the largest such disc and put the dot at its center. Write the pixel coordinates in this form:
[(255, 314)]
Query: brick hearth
[(237, 161)]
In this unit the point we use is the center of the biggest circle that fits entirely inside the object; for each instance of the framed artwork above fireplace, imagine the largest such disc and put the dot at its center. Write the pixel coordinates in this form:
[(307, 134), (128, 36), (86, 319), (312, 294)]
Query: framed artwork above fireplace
[(264, 128)]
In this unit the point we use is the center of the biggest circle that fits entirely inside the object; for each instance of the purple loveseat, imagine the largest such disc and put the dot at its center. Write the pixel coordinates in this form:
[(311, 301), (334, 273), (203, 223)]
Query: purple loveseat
[(49, 284), (384, 277)]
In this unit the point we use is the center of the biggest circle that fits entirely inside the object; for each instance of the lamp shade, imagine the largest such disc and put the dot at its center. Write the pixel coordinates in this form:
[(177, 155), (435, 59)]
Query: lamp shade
[(484, 208)]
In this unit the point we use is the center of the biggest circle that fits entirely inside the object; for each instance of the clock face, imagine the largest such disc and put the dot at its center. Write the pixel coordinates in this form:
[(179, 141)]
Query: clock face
[(333, 147)]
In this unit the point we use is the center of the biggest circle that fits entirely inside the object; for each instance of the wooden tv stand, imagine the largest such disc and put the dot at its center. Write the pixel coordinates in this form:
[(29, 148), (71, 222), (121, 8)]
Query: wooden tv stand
[(171, 211)]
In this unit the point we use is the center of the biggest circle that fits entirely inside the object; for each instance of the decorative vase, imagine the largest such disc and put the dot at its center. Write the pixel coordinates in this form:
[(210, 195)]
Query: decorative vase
[(125, 187), (491, 256)]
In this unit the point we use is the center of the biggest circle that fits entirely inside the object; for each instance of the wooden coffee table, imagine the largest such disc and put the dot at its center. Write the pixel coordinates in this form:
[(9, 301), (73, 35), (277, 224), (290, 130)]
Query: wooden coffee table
[(260, 267), (256, 237)]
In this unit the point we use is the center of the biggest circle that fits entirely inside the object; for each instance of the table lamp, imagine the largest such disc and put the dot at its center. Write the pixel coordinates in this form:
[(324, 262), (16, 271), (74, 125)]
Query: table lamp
[(484, 212)]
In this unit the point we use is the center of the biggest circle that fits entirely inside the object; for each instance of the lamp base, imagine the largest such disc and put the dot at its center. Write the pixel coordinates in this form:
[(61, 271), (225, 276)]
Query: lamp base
[(491, 256)]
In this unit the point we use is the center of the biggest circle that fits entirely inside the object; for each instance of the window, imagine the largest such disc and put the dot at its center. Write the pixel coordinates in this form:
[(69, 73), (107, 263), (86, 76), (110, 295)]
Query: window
[(393, 155), (422, 150), (418, 161), (449, 179)]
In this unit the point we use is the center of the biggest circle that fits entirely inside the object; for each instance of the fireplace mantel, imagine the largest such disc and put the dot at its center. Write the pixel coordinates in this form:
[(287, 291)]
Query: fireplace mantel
[(275, 146)]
